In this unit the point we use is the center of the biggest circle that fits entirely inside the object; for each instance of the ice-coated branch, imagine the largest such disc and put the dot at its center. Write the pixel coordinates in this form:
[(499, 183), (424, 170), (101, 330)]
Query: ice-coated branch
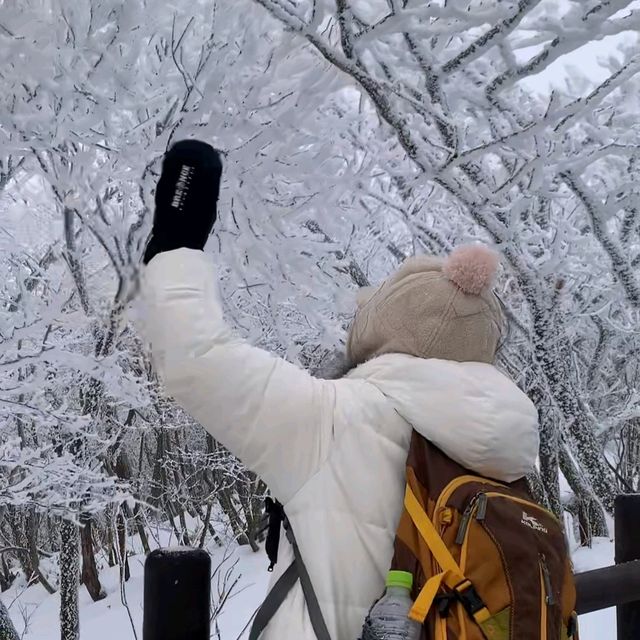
[(346, 34), (598, 217), (630, 222), (73, 260), (588, 29), (616, 80), (495, 34), (8, 170)]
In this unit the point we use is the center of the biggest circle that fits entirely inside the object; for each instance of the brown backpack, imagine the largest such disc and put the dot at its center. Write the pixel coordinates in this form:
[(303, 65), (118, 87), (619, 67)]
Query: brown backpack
[(488, 562)]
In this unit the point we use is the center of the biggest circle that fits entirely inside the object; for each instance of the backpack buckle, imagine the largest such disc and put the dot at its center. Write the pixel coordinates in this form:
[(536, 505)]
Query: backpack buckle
[(469, 598), (443, 602)]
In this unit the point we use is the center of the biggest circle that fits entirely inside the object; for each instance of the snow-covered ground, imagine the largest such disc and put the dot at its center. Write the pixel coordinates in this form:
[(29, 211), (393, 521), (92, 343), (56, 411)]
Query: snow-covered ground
[(108, 618)]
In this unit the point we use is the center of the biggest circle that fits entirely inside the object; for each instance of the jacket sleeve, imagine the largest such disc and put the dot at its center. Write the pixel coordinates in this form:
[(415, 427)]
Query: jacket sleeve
[(272, 415)]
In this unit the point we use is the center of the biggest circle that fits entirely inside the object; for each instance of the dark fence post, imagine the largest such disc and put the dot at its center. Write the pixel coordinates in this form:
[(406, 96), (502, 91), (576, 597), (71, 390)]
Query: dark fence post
[(177, 592), (608, 587), (627, 516)]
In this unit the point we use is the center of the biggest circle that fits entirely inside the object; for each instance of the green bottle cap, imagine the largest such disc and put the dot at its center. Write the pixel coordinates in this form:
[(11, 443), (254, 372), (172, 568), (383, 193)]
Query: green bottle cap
[(400, 579)]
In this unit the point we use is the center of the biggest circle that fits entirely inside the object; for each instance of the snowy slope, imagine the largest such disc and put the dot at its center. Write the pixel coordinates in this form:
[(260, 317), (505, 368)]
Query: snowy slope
[(108, 619)]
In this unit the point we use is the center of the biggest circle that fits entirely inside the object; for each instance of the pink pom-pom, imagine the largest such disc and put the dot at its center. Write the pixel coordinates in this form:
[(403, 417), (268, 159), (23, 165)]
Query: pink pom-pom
[(472, 267)]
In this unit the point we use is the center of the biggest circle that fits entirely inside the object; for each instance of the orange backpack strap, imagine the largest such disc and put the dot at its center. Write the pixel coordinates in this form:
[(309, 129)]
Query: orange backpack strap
[(451, 574)]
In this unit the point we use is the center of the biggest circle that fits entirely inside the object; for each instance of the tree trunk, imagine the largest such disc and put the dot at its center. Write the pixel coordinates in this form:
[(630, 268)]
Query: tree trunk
[(225, 500), (629, 456), (185, 532), (69, 581), (142, 532), (7, 630), (90, 577), (591, 518), (250, 495), (549, 448), (16, 517), (123, 471), (554, 366), (537, 489), (32, 524), (6, 575), (123, 559)]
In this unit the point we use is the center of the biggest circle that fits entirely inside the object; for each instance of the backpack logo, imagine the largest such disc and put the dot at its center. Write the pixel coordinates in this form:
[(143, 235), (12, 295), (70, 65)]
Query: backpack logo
[(533, 523)]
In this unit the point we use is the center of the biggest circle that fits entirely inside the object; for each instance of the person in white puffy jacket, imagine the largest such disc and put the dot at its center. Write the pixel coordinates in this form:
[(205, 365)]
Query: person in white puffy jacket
[(333, 452)]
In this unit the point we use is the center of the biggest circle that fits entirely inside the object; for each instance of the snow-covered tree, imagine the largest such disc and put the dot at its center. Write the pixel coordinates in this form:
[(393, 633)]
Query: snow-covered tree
[(7, 630), (354, 134), (69, 581)]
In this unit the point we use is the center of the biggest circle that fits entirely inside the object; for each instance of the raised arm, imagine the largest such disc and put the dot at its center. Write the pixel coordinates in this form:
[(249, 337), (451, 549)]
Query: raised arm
[(273, 415)]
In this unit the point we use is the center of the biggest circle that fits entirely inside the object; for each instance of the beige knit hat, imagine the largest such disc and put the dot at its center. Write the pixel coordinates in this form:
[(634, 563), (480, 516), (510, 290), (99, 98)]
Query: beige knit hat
[(432, 308)]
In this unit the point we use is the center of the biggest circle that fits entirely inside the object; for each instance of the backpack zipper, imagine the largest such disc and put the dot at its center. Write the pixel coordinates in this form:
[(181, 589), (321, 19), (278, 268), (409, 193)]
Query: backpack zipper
[(477, 507), (528, 503), (464, 522), (546, 576), (546, 597), (458, 482), (455, 484), (482, 507), (478, 504)]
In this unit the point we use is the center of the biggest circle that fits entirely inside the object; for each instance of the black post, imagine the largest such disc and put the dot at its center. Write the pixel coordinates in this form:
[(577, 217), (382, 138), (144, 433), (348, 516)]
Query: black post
[(627, 515), (177, 591)]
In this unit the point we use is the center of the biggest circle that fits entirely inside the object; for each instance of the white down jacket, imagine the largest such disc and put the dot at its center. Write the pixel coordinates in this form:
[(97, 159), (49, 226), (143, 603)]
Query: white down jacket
[(332, 451)]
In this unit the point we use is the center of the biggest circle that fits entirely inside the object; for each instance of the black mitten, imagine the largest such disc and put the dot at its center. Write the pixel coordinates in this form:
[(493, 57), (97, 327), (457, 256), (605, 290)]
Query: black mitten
[(186, 198)]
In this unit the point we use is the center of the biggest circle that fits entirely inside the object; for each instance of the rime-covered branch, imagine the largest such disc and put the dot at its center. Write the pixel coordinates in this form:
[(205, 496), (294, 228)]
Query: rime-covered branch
[(598, 217)]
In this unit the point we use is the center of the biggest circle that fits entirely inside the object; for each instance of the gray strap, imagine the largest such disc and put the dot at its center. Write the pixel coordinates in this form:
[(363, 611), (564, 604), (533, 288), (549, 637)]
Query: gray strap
[(315, 614), (274, 599), (296, 571)]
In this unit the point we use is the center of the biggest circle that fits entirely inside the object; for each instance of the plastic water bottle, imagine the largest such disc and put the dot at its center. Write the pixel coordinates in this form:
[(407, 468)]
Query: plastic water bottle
[(389, 617)]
